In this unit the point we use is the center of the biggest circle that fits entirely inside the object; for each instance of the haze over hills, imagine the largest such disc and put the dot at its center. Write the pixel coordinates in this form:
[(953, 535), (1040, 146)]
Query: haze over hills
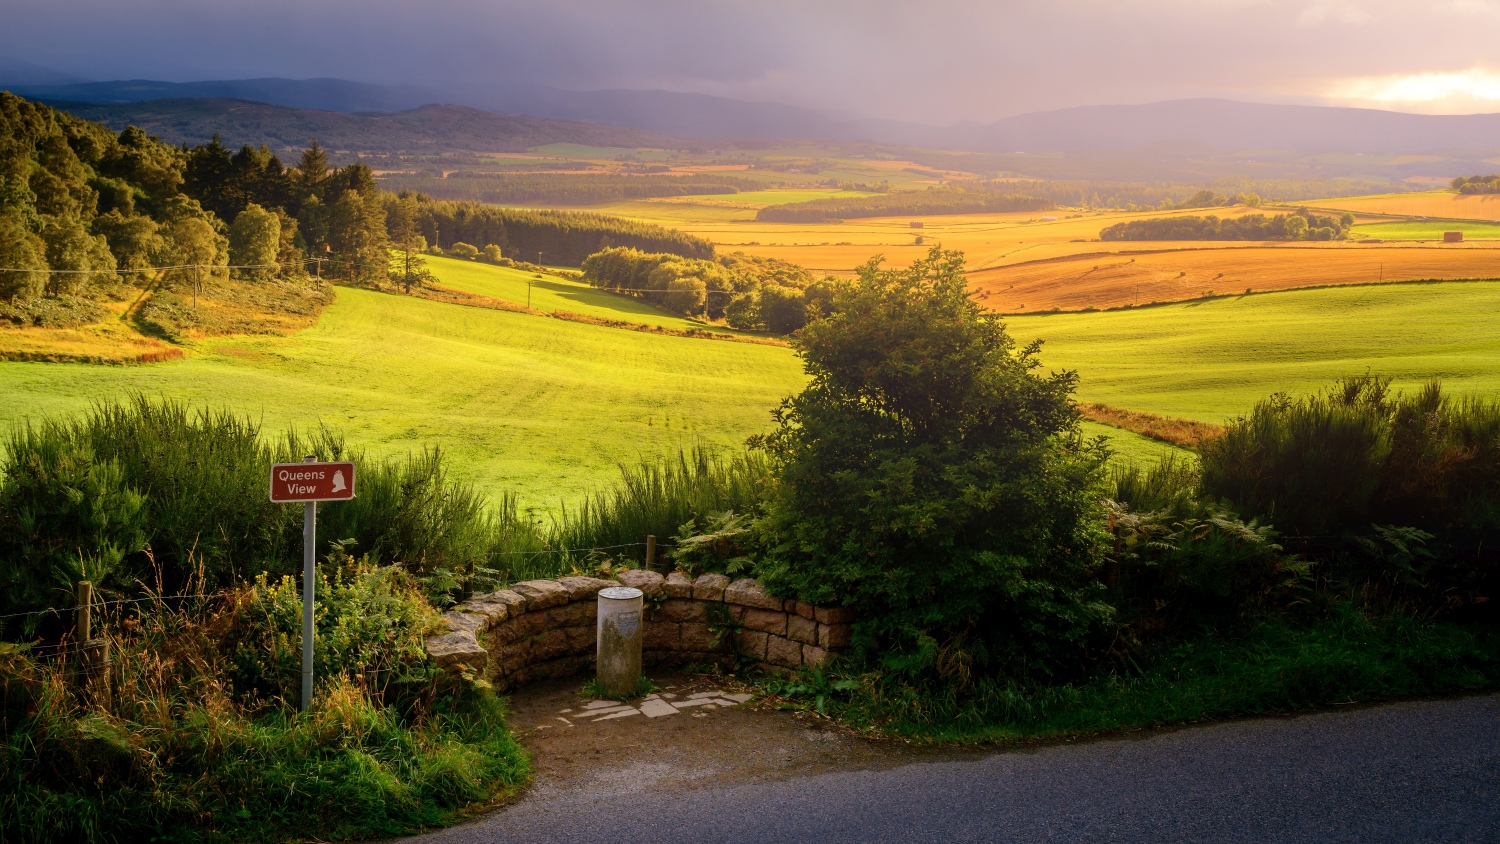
[(1217, 123)]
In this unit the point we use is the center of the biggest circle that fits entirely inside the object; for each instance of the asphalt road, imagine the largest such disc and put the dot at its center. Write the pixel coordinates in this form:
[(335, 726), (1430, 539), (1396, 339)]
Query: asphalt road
[(1411, 772)]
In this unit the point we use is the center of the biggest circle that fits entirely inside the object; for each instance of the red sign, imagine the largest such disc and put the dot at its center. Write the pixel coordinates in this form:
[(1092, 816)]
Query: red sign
[(301, 482)]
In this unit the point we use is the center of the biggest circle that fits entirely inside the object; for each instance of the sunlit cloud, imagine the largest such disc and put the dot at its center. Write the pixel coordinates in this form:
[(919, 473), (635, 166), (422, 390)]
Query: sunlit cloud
[(1333, 11), (1439, 93)]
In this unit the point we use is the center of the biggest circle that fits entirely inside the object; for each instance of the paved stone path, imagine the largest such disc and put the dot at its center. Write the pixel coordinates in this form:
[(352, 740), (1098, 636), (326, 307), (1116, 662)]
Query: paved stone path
[(1411, 772), (651, 706)]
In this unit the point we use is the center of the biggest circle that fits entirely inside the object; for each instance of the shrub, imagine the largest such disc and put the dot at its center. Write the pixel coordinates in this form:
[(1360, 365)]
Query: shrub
[(929, 479), (1344, 468), (144, 492), (463, 250), (199, 738)]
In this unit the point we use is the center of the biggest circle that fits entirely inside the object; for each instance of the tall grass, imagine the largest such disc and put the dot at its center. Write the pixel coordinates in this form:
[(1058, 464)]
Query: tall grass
[(154, 494), (194, 733), (658, 497)]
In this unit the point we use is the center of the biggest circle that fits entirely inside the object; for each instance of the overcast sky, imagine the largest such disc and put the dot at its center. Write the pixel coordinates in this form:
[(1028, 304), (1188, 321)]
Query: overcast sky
[(929, 60)]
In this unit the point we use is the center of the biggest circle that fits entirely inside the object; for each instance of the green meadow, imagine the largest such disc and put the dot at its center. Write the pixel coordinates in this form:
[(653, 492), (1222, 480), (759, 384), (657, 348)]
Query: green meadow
[(1419, 230), (552, 293), (1212, 359), (537, 405), (549, 408)]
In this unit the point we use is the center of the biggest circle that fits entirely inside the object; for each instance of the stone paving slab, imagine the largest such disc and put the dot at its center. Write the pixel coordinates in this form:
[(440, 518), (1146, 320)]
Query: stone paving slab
[(652, 706)]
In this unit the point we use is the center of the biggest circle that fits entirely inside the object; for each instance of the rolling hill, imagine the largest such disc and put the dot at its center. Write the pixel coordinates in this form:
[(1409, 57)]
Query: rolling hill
[(428, 128)]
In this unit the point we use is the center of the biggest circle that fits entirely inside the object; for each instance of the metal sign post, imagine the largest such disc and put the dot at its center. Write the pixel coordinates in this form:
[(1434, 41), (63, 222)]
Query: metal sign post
[(309, 482)]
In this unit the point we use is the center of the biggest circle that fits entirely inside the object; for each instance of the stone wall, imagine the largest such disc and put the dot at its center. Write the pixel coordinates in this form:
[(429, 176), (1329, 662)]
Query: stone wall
[(544, 629)]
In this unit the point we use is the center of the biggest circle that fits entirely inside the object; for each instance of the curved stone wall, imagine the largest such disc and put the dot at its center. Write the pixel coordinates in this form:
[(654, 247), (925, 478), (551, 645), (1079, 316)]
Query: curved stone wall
[(544, 629)]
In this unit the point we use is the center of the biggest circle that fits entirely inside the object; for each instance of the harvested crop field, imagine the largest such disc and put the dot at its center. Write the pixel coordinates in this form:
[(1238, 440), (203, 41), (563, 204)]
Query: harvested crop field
[(1117, 280), (1442, 203)]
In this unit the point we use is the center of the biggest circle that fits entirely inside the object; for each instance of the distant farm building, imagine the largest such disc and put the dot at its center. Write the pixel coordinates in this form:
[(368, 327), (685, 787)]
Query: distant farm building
[(1453, 237), (917, 224)]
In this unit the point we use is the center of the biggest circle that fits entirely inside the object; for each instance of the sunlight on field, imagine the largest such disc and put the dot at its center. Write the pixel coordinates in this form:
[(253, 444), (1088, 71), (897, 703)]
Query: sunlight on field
[(1417, 230), (1442, 203), (551, 293), (987, 239), (1114, 280), (526, 403), (1211, 360)]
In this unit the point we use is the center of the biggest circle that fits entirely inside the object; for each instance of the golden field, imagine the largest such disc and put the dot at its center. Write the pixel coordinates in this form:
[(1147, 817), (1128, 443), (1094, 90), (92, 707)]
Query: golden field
[(1025, 264), (1442, 203), (1174, 275)]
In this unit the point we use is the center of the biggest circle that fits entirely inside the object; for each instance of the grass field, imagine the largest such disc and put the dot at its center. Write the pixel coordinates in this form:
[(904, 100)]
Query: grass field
[(1439, 203), (551, 293), (1418, 230), (1114, 280), (1213, 359), (538, 405)]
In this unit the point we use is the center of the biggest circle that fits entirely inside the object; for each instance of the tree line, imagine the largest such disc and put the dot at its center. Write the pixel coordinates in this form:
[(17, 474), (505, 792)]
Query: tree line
[(86, 213), (562, 188), (748, 292), (1477, 184), (916, 203), (561, 237), (1301, 225)]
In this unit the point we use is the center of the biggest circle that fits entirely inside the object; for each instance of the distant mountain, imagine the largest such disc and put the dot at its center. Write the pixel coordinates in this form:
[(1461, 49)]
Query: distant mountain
[(1227, 124), (430, 128), (320, 94), (1221, 124), (14, 72)]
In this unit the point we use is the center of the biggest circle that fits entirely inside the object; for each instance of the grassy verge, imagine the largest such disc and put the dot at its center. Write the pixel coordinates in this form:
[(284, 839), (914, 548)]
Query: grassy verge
[(1276, 666)]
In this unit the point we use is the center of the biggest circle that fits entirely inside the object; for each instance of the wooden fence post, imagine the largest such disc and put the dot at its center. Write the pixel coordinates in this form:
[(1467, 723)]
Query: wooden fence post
[(650, 552)]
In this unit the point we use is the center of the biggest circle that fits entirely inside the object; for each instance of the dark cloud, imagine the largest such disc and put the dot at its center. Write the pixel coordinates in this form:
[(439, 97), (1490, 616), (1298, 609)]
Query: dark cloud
[(938, 60)]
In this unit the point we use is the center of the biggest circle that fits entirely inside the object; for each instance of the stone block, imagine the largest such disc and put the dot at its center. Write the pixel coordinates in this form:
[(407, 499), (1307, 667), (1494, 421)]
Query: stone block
[(499, 606), (834, 615), (513, 659), (580, 588), (807, 611), (541, 594), (766, 621), (674, 609), (783, 651), (520, 678), (768, 668), (462, 622), (710, 587), (751, 643), (549, 645), (504, 634), (661, 636), (834, 636), (648, 582), (749, 593), (813, 655), (697, 637), (802, 630), (662, 659), (678, 585), (583, 612), (450, 650), (558, 617), (582, 640)]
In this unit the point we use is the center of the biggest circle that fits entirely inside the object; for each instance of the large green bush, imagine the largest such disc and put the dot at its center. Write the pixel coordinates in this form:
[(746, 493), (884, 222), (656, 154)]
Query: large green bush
[(932, 480)]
